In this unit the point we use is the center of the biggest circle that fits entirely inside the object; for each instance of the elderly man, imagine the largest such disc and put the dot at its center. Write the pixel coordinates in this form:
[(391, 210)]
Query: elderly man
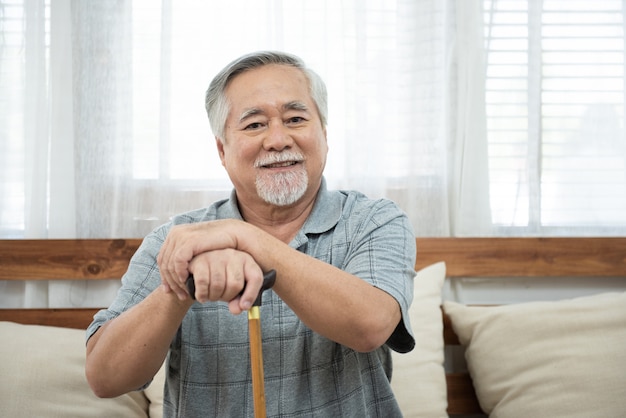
[(344, 268)]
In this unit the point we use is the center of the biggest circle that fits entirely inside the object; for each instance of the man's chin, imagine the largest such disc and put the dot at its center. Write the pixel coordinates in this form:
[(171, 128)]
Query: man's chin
[(281, 198)]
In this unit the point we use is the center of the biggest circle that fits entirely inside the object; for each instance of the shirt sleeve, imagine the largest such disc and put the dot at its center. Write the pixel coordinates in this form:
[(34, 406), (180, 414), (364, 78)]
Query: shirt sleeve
[(384, 254)]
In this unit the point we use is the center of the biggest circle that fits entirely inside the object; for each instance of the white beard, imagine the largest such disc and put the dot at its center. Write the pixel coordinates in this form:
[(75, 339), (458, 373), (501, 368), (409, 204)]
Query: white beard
[(282, 189)]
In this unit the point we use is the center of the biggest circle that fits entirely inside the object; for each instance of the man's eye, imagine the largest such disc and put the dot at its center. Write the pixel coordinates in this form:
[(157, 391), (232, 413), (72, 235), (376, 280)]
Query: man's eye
[(296, 119), (254, 125)]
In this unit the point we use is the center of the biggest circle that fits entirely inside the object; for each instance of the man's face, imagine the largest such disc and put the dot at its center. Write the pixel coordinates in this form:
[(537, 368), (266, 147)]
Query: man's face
[(275, 145)]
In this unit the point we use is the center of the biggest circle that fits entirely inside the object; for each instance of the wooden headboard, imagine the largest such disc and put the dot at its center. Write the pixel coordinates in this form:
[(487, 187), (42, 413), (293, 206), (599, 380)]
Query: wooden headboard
[(62, 259), (97, 259)]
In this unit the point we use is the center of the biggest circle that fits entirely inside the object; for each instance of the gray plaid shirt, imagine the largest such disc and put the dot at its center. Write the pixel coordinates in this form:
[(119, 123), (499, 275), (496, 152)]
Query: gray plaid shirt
[(305, 373)]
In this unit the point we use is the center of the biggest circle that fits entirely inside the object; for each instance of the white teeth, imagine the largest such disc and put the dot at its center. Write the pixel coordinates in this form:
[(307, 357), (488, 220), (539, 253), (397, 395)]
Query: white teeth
[(279, 160), (284, 164)]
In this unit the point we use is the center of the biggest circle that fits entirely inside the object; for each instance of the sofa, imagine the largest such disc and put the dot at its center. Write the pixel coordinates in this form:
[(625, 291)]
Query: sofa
[(538, 358)]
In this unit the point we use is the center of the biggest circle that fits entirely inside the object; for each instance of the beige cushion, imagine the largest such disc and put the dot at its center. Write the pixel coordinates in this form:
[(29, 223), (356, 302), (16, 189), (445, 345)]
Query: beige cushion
[(419, 380), (154, 393), (43, 375), (547, 359)]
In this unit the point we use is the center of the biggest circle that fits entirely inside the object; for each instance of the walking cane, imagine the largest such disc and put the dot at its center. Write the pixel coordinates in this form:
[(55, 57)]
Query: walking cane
[(256, 347), (256, 342)]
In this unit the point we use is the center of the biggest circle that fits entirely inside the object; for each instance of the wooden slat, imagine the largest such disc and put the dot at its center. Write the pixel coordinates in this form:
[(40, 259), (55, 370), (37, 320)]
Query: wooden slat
[(464, 257), (461, 395), (79, 318), (525, 257), (65, 259)]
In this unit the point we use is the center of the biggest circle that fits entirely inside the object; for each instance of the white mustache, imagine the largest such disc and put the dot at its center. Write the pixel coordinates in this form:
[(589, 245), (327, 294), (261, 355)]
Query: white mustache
[(278, 158)]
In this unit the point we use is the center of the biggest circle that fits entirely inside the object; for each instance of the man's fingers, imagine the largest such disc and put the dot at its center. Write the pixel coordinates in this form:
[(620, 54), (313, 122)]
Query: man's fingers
[(234, 306), (228, 275), (210, 283), (254, 281), (183, 243), (173, 261), (218, 275)]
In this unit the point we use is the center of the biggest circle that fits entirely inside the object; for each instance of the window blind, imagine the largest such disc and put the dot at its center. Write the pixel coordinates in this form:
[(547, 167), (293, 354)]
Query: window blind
[(555, 112)]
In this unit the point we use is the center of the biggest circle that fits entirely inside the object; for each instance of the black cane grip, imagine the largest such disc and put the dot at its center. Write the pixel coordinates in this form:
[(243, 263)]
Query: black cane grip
[(191, 287), (268, 281)]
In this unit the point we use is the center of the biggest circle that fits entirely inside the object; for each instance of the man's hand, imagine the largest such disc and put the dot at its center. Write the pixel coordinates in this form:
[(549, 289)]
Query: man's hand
[(182, 244), (223, 274), (221, 270)]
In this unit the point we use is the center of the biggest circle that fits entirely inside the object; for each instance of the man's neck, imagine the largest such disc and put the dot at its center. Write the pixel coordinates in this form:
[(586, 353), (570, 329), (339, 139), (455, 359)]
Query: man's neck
[(282, 222)]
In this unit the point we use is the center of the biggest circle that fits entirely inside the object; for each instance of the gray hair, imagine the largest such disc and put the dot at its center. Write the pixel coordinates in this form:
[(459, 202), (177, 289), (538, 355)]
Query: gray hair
[(216, 103)]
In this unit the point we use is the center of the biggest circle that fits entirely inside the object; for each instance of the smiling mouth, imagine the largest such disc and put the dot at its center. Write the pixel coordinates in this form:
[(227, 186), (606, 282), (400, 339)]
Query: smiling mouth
[(281, 165)]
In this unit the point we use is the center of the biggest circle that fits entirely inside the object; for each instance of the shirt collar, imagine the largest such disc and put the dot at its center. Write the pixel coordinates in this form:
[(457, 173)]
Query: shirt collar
[(326, 211)]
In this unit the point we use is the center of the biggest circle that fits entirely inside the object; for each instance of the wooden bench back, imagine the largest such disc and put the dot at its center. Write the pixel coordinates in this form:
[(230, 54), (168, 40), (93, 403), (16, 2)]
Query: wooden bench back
[(62, 259), (97, 259)]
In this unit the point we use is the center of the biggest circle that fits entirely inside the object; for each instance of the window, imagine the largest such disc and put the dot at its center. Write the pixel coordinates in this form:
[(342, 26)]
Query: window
[(555, 113), (134, 145), (21, 31)]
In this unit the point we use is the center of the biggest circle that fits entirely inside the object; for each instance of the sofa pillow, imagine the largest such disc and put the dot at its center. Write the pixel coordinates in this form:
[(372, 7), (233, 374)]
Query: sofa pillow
[(154, 393), (419, 380), (43, 375), (551, 359)]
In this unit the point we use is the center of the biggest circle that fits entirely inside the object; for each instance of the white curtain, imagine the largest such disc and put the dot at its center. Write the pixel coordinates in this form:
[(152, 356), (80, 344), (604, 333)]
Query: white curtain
[(103, 131)]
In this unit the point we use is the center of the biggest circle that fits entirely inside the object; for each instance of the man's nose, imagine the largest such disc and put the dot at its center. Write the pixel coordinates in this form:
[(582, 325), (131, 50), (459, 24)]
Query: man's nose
[(278, 137)]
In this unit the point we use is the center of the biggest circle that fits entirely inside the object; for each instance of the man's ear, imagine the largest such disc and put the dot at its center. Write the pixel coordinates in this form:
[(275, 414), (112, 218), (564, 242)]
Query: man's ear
[(220, 148)]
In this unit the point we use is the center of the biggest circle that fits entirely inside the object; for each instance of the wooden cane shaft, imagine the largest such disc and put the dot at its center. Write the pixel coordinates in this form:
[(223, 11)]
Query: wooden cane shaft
[(256, 362)]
